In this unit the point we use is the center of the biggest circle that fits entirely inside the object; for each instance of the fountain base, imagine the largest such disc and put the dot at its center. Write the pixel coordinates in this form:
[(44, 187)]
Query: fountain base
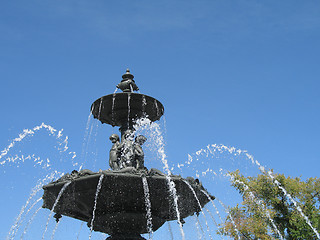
[(125, 237), (120, 206)]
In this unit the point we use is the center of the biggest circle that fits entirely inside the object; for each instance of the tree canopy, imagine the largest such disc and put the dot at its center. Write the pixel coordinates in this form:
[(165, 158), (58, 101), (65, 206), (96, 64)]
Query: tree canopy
[(267, 211)]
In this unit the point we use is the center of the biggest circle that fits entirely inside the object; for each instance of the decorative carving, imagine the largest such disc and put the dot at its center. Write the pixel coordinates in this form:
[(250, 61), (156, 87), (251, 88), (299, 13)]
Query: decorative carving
[(74, 175), (126, 150), (138, 152), (127, 154), (114, 158), (127, 83)]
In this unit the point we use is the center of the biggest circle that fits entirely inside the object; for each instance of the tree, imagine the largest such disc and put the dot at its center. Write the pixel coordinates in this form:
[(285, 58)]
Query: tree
[(267, 211)]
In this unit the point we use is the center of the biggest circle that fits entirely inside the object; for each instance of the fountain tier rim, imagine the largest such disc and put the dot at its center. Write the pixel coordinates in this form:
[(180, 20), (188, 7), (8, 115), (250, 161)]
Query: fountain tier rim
[(118, 109)]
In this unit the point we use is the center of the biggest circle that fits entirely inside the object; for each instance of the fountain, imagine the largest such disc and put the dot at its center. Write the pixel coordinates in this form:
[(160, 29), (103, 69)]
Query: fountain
[(128, 199)]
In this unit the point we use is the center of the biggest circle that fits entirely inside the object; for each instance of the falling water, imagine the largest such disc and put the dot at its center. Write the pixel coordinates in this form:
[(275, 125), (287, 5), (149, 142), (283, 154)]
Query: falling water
[(17, 223), (170, 230), (34, 191), (231, 218), (95, 152), (157, 108), (78, 235), (199, 227), (215, 207), (31, 207), (22, 220), (276, 182), (165, 126), (259, 203), (148, 206), (212, 149), (86, 135), (112, 108), (29, 222), (158, 140), (129, 109), (54, 205), (144, 104), (95, 204), (55, 229), (214, 221), (100, 107), (196, 197), (294, 202), (93, 127)]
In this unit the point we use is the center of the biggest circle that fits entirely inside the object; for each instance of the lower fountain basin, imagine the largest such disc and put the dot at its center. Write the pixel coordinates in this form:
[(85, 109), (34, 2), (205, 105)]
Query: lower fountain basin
[(121, 203)]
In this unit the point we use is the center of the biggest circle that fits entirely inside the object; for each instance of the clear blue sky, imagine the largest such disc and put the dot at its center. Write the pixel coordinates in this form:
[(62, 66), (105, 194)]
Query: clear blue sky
[(240, 73)]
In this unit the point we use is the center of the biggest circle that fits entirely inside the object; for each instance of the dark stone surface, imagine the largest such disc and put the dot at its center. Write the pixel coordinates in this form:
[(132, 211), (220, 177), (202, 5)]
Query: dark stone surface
[(113, 108), (125, 237), (121, 202), (127, 83)]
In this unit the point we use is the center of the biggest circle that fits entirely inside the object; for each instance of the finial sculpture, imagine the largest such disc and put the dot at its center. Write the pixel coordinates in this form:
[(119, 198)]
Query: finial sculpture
[(114, 201), (127, 84)]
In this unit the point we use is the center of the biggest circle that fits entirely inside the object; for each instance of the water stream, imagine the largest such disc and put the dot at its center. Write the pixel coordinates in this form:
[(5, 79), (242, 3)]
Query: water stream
[(95, 204), (214, 206), (15, 227), (199, 227), (199, 204), (78, 235), (157, 108), (25, 215), (144, 104), (93, 128), (100, 108), (157, 138), (214, 221), (215, 149), (294, 203), (86, 136), (259, 203), (112, 107), (231, 218), (54, 205), (29, 222), (55, 229), (148, 206), (170, 230), (129, 110)]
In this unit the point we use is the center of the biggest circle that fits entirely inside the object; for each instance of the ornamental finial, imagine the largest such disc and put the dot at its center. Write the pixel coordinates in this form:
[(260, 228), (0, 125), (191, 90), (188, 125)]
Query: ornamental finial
[(127, 83)]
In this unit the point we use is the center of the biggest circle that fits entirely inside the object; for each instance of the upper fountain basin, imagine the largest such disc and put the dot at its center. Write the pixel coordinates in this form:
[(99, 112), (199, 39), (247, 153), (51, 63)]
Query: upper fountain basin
[(121, 109)]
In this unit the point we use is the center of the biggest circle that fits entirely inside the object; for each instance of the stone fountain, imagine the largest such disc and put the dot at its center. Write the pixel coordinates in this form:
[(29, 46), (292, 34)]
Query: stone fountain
[(115, 201)]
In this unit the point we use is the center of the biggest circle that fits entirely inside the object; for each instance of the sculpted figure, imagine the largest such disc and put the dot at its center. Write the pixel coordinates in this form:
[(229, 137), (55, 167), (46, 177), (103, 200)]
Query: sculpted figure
[(114, 158), (138, 152)]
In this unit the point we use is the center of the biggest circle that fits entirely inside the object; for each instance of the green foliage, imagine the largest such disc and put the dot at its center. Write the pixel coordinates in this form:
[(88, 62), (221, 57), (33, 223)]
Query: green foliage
[(265, 205)]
